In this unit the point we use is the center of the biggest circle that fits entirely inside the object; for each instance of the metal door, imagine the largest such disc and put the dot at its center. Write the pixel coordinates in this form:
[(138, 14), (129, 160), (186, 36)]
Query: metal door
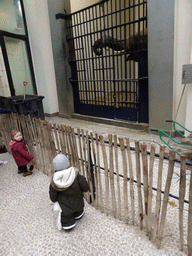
[(108, 58)]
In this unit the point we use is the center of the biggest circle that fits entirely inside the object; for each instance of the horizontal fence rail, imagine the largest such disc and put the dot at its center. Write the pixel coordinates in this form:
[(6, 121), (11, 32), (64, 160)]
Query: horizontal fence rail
[(131, 185)]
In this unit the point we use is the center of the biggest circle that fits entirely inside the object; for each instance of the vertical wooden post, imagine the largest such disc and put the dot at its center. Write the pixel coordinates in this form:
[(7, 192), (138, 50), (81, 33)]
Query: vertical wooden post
[(52, 148), (40, 159), (51, 139), (62, 127), (138, 171), (81, 152), (68, 140), (166, 197), (189, 235), (41, 144), (46, 147), (84, 142), (95, 170), (99, 175), (182, 187), (106, 174), (92, 200), (15, 123), (6, 131), (75, 149), (60, 137), (145, 181), (92, 168), (111, 175), (150, 193), (24, 128), (72, 149), (125, 194), (68, 144), (28, 135), (62, 141), (56, 137), (131, 181), (85, 162), (158, 198), (117, 172), (31, 138)]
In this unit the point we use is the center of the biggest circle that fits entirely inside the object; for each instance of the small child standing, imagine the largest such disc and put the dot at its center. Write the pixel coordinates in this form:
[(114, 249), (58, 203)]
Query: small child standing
[(20, 153), (66, 188)]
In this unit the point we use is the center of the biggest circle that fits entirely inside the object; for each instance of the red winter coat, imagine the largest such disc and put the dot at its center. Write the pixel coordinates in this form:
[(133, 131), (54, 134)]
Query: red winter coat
[(20, 152)]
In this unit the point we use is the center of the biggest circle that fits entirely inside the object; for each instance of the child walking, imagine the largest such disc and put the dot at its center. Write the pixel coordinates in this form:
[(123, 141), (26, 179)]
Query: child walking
[(20, 153), (66, 188)]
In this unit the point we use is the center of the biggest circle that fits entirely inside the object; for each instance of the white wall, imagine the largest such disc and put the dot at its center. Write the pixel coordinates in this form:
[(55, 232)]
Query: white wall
[(77, 5), (182, 53), (40, 42), (61, 54), (161, 15)]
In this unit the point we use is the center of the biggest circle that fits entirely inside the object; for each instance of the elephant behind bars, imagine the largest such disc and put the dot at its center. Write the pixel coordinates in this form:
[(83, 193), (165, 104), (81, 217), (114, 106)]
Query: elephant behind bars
[(129, 47)]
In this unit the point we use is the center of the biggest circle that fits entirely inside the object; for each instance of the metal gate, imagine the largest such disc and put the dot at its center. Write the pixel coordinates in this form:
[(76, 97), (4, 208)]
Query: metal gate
[(108, 58)]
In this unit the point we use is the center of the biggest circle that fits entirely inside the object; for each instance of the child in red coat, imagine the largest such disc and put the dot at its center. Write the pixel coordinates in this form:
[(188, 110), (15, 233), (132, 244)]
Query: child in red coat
[(20, 153)]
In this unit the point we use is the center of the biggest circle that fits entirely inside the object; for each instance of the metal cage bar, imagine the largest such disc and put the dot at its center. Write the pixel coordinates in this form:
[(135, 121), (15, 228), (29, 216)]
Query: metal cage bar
[(108, 40)]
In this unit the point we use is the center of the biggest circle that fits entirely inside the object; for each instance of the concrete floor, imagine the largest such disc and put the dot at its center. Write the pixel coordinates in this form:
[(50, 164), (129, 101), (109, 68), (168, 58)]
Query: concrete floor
[(132, 134), (28, 225), (105, 129)]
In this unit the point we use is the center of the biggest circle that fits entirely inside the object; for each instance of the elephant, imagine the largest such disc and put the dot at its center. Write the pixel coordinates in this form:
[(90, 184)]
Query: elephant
[(129, 47)]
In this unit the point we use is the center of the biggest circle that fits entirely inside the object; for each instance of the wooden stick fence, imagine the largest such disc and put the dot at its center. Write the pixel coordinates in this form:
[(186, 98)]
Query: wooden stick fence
[(121, 180)]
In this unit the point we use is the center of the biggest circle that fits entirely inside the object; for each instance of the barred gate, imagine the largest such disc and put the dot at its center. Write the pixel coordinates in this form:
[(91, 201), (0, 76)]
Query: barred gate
[(108, 58)]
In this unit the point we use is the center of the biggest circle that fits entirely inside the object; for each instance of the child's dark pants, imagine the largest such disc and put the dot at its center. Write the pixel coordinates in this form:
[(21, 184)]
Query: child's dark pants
[(68, 222)]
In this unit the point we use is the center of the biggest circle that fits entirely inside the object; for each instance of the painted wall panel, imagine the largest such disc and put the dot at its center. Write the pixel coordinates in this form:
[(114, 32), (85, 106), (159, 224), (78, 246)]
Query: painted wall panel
[(42, 54), (160, 57), (182, 55)]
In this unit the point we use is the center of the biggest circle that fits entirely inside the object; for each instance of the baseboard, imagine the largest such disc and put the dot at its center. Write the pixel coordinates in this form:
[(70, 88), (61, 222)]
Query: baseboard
[(64, 115), (51, 115), (116, 122)]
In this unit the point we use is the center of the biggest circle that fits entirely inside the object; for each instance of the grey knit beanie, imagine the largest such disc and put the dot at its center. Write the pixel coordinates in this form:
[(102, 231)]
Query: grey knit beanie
[(61, 162)]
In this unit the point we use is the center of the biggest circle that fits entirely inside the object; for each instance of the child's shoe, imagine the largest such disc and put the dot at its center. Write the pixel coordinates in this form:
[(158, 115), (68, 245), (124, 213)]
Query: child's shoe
[(79, 215), (20, 171), (68, 222), (27, 173), (31, 167), (3, 162), (68, 228)]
